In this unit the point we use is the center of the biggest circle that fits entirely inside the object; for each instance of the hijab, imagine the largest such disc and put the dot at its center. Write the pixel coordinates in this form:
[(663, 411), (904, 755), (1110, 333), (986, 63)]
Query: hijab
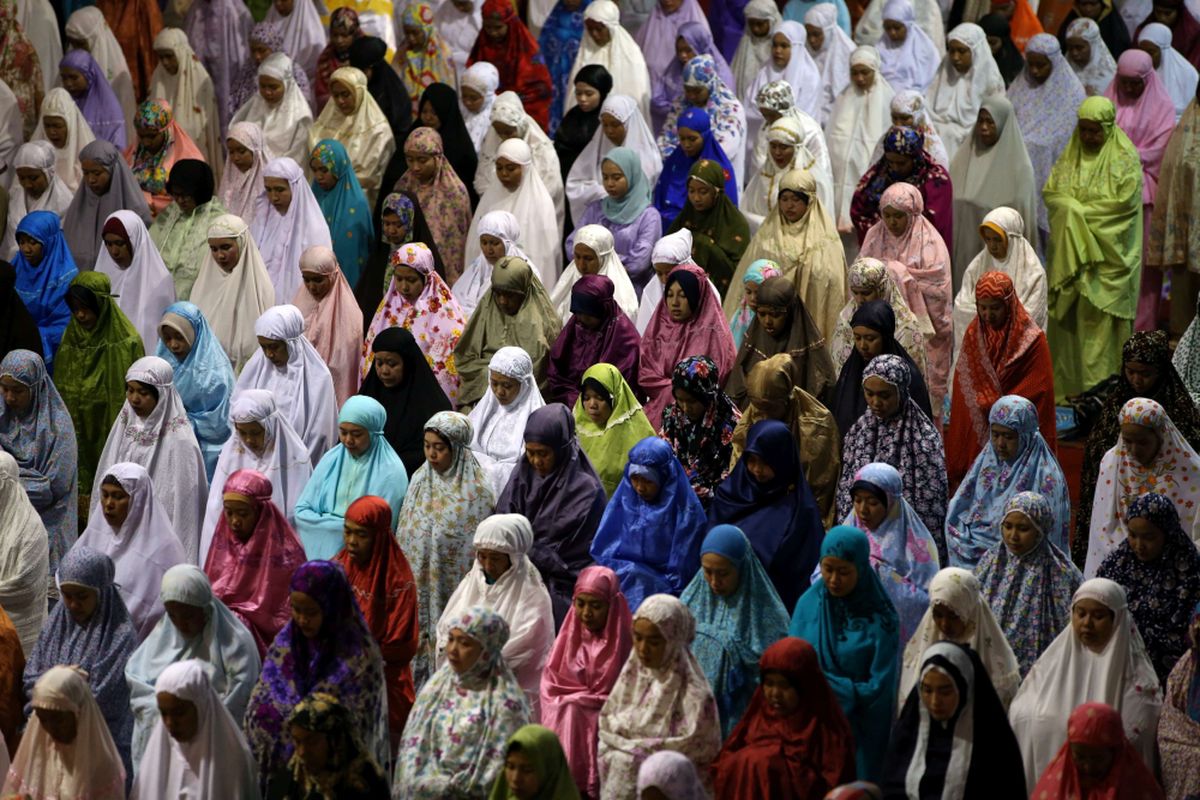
[(704, 447), (910, 64), (99, 103), (599, 240), (583, 181), (58, 104), (144, 288), (624, 60), (241, 192), (753, 51), (498, 430), (577, 347), (1098, 725), (1177, 74), (286, 124), (346, 208), (607, 446), (24, 569), (38, 155), (84, 221), (1096, 75), (332, 324), (1146, 120), (282, 238), (444, 201), (483, 79), (857, 121), (365, 133), (43, 288), (670, 193), (190, 93), (516, 57), (1008, 59), (954, 97)]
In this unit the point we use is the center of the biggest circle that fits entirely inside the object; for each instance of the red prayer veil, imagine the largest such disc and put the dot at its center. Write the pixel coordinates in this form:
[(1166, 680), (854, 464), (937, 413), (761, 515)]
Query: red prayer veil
[(252, 577), (1098, 725), (387, 596), (804, 754), (518, 60)]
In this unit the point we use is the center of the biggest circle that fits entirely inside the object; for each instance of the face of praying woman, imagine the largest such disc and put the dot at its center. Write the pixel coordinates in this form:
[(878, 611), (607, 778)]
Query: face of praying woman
[(895, 220), (151, 140), (275, 351), (1142, 377), (645, 488), (591, 610), (696, 96), (1129, 89), (495, 29), (409, 283), (359, 541), (414, 38), (422, 166), (259, 51), (986, 129), (56, 131), (312, 748), (471, 100), (759, 469), (541, 457), (284, 7), (317, 284), (33, 181), (939, 695), (683, 51), (270, 89), (1093, 623), (598, 31), (428, 115), (239, 154), (168, 61), (863, 77), (493, 563), (1165, 14), (1038, 67), (307, 614), (865, 295), (868, 342), (114, 503), (394, 231), (438, 452), (994, 44), (691, 406), (509, 173), (119, 249), (869, 509), (81, 602), (141, 397), (596, 406), (1006, 442), (997, 245), (691, 142), (225, 252), (993, 313), (30, 248), (59, 725), (781, 50), (508, 302), (616, 185), (253, 436), (1079, 51), (343, 97), (180, 717), (587, 97), (614, 131), (773, 320), (462, 652), (1146, 539), (1152, 50), (505, 388), (586, 260), (720, 574), (279, 194), (73, 81), (1019, 533), (84, 316), (1092, 764), (389, 367), (702, 196), (815, 37), (678, 306), (241, 515), (840, 576), (649, 644), (782, 154), (792, 206), (1091, 135), (882, 398), (951, 625), (960, 57), (355, 438), (1142, 443), (780, 697), (97, 178), (322, 174), (520, 773), (17, 396), (896, 30)]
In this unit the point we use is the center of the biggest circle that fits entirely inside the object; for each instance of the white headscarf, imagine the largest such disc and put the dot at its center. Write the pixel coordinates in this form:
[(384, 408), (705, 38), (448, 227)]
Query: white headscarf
[(233, 301), (303, 389), (286, 124), (144, 289), (165, 445), (143, 548), (477, 278), (1068, 674), (911, 64), (1178, 75), (955, 98), (40, 24), (459, 31), (58, 103), (759, 197), (533, 208), (282, 238), (600, 239), (304, 37), (1101, 68), (24, 558), (39, 155), (89, 25), (191, 95), (622, 57), (509, 110), (813, 139), (583, 181), (833, 59), (928, 13), (498, 432), (225, 647), (365, 132), (216, 762), (1174, 472), (519, 596), (674, 248), (284, 460), (801, 74), (753, 53), (1021, 263), (242, 193), (858, 121), (912, 103), (485, 79), (89, 768), (958, 590)]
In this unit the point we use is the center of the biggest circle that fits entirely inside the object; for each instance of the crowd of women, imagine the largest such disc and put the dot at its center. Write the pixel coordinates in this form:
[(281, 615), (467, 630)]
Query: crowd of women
[(570, 400)]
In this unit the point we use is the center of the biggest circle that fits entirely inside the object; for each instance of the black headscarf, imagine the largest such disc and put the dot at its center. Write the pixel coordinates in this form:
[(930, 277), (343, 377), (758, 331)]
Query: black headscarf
[(18, 331), (410, 404), (369, 54), (369, 290), (848, 401), (1009, 58), (193, 178), (578, 126), (994, 769)]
